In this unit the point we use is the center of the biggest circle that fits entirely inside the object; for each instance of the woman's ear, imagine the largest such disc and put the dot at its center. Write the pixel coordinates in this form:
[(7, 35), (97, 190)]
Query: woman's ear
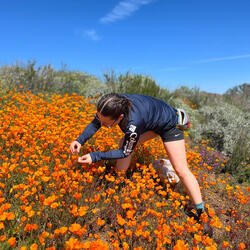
[(121, 117)]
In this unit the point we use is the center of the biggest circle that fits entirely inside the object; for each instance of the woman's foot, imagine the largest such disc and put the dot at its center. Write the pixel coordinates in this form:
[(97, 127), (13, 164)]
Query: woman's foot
[(207, 229)]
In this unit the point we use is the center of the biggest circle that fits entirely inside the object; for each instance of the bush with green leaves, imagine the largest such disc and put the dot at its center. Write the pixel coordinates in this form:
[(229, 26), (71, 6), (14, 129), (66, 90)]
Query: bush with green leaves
[(239, 96), (238, 163), (227, 128), (222, 125), (193, 95), (46, 79), (137, 84)]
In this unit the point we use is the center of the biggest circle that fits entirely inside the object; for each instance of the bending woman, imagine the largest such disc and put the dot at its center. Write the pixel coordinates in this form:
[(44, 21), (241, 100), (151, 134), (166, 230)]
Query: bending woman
[(141, 118)]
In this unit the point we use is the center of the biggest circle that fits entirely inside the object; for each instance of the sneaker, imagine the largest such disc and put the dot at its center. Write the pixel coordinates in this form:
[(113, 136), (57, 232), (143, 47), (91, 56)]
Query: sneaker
[(188, 211), (207, 229), (121, 185)]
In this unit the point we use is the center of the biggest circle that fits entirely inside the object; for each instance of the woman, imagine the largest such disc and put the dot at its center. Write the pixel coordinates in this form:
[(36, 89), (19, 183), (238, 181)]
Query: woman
[(141, 118)]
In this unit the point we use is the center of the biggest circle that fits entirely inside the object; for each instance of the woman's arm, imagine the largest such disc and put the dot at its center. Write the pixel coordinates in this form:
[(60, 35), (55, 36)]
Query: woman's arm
[(89, 131), (132, 135)]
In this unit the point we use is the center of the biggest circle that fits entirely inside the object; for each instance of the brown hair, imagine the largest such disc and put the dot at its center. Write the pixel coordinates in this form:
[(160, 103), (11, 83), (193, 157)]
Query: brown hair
[(114, 105)]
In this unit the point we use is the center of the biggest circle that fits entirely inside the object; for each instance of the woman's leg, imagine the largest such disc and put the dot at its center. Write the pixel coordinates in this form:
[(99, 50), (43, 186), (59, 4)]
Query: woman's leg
[(123, 164), (177, 156)]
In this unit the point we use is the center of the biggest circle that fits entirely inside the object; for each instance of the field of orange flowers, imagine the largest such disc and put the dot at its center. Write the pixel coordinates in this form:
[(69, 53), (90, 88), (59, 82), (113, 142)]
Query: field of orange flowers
[(49, 201)]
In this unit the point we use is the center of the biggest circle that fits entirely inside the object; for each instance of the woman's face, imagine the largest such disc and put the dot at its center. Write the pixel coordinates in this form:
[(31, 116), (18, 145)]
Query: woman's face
[(107, 121)]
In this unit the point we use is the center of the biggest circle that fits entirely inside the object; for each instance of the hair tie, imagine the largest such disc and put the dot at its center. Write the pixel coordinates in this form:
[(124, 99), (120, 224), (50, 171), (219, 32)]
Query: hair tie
[(106, 103)]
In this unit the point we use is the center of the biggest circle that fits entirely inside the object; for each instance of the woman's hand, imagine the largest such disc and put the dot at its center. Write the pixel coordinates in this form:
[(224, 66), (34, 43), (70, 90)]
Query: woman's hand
[(75, 146), (85, 159)]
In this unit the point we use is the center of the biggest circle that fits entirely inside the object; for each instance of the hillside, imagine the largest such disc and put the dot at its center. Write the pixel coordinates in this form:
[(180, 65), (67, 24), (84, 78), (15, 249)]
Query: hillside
[(49, 201)]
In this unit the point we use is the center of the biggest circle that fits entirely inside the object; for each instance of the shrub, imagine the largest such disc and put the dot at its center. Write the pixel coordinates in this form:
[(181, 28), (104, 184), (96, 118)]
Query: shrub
[(47, 80), (221, 124), (238, 164), (194, 96), (239, 96), (137, 84)]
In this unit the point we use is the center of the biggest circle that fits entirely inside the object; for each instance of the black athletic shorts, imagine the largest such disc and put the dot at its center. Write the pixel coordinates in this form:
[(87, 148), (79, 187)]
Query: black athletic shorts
[(172, 134)]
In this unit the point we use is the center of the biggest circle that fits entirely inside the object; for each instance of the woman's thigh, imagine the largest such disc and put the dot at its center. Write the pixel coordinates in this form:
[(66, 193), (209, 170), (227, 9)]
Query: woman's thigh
[(177, 155), (143, 137), (149, 135)]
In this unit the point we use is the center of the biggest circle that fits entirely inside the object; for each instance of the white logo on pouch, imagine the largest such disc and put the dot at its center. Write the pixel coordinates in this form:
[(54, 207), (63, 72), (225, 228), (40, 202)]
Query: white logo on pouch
[(132, 128)]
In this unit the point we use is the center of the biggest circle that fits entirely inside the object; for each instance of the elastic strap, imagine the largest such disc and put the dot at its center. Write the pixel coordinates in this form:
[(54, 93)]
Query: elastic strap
[(111, 98)]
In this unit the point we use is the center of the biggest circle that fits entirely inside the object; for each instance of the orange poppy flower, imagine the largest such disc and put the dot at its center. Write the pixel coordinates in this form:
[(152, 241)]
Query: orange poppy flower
[(12, 241), (100, 222), (120, 220)]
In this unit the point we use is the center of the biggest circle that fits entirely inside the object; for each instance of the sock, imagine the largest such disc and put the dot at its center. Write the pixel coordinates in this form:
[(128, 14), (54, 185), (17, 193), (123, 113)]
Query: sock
[(200, 206)]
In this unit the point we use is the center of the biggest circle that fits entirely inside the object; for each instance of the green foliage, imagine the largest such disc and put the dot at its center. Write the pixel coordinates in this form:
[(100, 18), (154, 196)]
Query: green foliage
[(227, 129), (238, 164), (239, 96), (47, 80), (137, 84), (193, 95), (222, 125)]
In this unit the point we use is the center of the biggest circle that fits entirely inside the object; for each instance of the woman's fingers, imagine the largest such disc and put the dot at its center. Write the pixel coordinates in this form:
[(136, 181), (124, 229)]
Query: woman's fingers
[(83, 159), (72, 148), (75, 147)]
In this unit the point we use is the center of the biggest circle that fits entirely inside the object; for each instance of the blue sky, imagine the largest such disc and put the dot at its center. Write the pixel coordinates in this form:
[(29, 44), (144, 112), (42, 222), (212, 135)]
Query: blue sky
[(197, 43)]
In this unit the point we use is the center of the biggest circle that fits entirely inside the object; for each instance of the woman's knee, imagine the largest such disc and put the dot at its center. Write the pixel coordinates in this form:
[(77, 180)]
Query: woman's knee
[(123, 164)]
